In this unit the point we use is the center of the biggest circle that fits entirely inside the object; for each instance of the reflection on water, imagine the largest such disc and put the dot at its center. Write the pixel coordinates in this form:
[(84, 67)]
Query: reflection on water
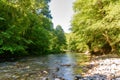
[(57, 65), (63, 62)]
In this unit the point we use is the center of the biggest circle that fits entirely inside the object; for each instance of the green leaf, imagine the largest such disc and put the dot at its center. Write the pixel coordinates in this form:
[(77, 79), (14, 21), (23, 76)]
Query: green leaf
[(1, 18)]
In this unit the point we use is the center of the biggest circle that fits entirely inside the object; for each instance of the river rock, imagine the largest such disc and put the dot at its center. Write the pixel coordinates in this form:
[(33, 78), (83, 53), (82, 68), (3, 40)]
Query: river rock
[(66, 65), (60, 78), (44, 78), (15, 76), (57, 79), (27, 67), (107, 67), (78, 77)]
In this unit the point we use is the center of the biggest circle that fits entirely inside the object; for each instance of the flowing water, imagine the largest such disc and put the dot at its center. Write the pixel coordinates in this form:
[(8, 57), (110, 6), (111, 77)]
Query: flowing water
[(40, 68)]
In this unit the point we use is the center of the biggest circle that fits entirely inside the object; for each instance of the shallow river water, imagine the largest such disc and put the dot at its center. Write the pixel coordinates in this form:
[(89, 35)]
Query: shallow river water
[(40, 68)]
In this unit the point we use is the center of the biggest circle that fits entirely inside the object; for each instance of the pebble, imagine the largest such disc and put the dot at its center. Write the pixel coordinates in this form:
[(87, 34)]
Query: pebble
[(45, 72), (44, 78), (27, 67), (105, 69), (57, 79), (78, 77)]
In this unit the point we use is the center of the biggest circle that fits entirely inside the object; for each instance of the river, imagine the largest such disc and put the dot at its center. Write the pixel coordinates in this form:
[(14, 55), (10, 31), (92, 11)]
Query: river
[(41, 68)]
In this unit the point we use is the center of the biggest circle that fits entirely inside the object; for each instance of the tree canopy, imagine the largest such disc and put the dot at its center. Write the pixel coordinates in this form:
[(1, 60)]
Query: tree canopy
[(26, 28), (96, 25)]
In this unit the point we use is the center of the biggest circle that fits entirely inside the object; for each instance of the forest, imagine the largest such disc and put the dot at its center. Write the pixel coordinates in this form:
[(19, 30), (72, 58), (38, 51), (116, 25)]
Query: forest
[(26, 28), (32, 48), (95, 26)]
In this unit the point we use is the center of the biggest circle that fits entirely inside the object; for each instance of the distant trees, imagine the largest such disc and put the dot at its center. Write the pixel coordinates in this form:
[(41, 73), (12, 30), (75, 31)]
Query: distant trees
[(60, 37), (96, 25), (26, 28)]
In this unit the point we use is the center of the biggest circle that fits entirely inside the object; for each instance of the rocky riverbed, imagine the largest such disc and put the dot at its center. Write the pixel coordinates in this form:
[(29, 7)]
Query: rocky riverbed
[(61, 67), (103, 69), (49, 67)]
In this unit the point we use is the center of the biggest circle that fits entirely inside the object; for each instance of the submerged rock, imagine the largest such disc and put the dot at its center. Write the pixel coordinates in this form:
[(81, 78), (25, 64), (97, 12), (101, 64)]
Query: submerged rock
[(44, 78), (78, 77), (66, 65), (59, 78)]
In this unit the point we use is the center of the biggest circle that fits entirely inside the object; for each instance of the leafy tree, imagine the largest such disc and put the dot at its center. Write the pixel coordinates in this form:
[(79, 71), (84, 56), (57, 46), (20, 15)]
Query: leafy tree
[(74, 44), (11, 31), (61, 39), (25, 30), (96, 22)]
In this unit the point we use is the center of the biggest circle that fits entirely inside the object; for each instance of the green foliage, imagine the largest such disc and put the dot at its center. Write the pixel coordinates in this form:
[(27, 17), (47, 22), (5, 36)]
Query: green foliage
[(39, 35), (26, 28), (74, 43), (97, 22), (59, 41), (60, 34), (10, 29)]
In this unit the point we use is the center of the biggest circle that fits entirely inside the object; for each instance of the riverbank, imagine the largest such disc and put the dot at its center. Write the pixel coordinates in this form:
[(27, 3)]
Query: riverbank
[(60, 66), (103, 68)]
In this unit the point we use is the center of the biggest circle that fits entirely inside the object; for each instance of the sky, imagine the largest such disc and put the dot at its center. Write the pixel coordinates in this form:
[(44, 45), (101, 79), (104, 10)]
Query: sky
[(62, 13)]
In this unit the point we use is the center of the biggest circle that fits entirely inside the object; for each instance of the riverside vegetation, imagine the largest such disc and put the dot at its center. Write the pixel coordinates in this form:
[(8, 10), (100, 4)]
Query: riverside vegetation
[(26, 28), (29, 31)]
